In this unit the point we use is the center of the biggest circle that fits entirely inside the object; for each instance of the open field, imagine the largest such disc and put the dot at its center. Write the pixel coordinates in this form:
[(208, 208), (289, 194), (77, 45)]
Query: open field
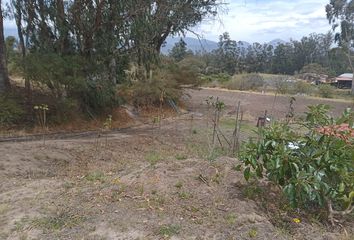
[(152, 183)]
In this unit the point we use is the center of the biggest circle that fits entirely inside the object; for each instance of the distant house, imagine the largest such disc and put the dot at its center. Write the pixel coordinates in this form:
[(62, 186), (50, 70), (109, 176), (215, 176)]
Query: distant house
[(345, 80)]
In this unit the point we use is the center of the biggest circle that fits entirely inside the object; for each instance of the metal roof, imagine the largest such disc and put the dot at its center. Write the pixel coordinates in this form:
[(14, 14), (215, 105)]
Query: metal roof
[(346, 75)]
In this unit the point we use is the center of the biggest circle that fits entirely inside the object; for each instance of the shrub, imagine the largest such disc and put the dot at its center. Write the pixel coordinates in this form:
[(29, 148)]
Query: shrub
[(163, 82), (74, 77), (282, 86), (10, 111), (301, 87), (314, 170), (246, 82), (326, 91)]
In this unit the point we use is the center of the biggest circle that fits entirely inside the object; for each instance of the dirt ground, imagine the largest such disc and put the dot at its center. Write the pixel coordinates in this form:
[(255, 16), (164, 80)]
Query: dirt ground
[(151, 183)]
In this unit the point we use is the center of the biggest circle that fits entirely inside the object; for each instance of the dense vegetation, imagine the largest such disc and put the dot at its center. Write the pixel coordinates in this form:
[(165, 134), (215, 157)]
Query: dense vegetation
[(78, 52), (314, 170)]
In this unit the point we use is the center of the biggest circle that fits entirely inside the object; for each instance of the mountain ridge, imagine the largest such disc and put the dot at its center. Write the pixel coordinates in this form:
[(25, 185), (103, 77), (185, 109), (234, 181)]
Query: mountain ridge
[(197, 45)]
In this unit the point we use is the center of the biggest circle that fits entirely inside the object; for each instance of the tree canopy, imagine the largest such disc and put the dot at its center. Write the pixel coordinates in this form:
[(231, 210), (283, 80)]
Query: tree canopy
[(340, 14)]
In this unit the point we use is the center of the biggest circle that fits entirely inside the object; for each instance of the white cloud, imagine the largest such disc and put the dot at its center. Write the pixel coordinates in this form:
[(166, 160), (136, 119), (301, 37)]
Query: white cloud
[(265, 20)]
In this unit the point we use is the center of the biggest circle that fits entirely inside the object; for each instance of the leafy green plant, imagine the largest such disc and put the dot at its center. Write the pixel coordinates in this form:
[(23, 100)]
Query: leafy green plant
[(253, 233), (314, 170), (10, 111)]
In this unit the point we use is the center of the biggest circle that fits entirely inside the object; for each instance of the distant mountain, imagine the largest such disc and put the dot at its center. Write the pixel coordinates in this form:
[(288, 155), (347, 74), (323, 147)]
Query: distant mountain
[(193, 44), (207, 45), (276, 42)]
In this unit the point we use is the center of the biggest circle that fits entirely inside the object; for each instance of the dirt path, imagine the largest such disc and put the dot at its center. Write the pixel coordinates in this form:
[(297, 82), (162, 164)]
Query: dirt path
[(144, 183)]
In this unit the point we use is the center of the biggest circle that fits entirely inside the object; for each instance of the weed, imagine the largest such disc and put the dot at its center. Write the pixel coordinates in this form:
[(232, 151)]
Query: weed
[(153, 158), (20, 225), (181, 157), (159, 199), (194, 131), (194, 209), (185, 195), (96, 176), (216, 153), (169, 230), (4, 208), (68, 185), (252, 191), (252, 233), (57, 222), (141, 190), (179, 185), (231, 218)]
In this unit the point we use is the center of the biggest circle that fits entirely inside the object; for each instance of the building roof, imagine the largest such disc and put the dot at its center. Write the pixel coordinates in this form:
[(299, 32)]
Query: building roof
[(345, 77)]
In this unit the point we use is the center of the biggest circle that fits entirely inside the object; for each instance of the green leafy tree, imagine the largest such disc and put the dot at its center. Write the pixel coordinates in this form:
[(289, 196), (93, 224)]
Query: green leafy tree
[(225, 57), (179, 50), (103, 36), (4, 78), (340, 14)]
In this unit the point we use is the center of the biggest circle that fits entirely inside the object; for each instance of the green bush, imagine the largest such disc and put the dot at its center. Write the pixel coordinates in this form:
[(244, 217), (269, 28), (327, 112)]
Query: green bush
[(313, 169), (10, 111), (246, 82), (163, 82), (326, 91), (219, 78), (301, 87)]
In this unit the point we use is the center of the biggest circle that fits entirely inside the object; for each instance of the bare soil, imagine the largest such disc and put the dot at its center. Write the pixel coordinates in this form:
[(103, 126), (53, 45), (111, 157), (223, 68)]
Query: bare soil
[(151, 182)]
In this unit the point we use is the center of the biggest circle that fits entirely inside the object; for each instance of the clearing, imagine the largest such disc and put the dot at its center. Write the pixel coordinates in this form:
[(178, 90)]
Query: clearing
[(148, 182)]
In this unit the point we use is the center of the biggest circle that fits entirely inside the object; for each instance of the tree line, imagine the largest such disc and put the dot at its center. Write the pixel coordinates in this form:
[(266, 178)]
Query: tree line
[(233, 57)]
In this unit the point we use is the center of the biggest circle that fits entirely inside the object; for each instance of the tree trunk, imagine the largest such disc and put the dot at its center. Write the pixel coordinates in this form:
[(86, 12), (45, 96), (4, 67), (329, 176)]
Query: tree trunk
[(63, 28), (28, 90), (4, 78), (352, 67)]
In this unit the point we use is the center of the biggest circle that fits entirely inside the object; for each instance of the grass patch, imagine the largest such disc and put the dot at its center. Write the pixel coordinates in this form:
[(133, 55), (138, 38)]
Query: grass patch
[(21, 225), (181, 157), (58, 222), (169, 230), (96, 176), (153, 157), (231, 218), (184, 195)]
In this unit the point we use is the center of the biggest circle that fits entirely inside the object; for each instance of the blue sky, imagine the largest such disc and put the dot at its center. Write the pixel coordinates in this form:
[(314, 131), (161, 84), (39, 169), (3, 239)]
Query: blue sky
[(262, 20)]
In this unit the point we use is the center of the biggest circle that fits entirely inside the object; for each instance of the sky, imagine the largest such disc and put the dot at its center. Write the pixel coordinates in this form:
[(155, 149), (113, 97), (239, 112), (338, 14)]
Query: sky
[(260, 20), (266, 20)]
